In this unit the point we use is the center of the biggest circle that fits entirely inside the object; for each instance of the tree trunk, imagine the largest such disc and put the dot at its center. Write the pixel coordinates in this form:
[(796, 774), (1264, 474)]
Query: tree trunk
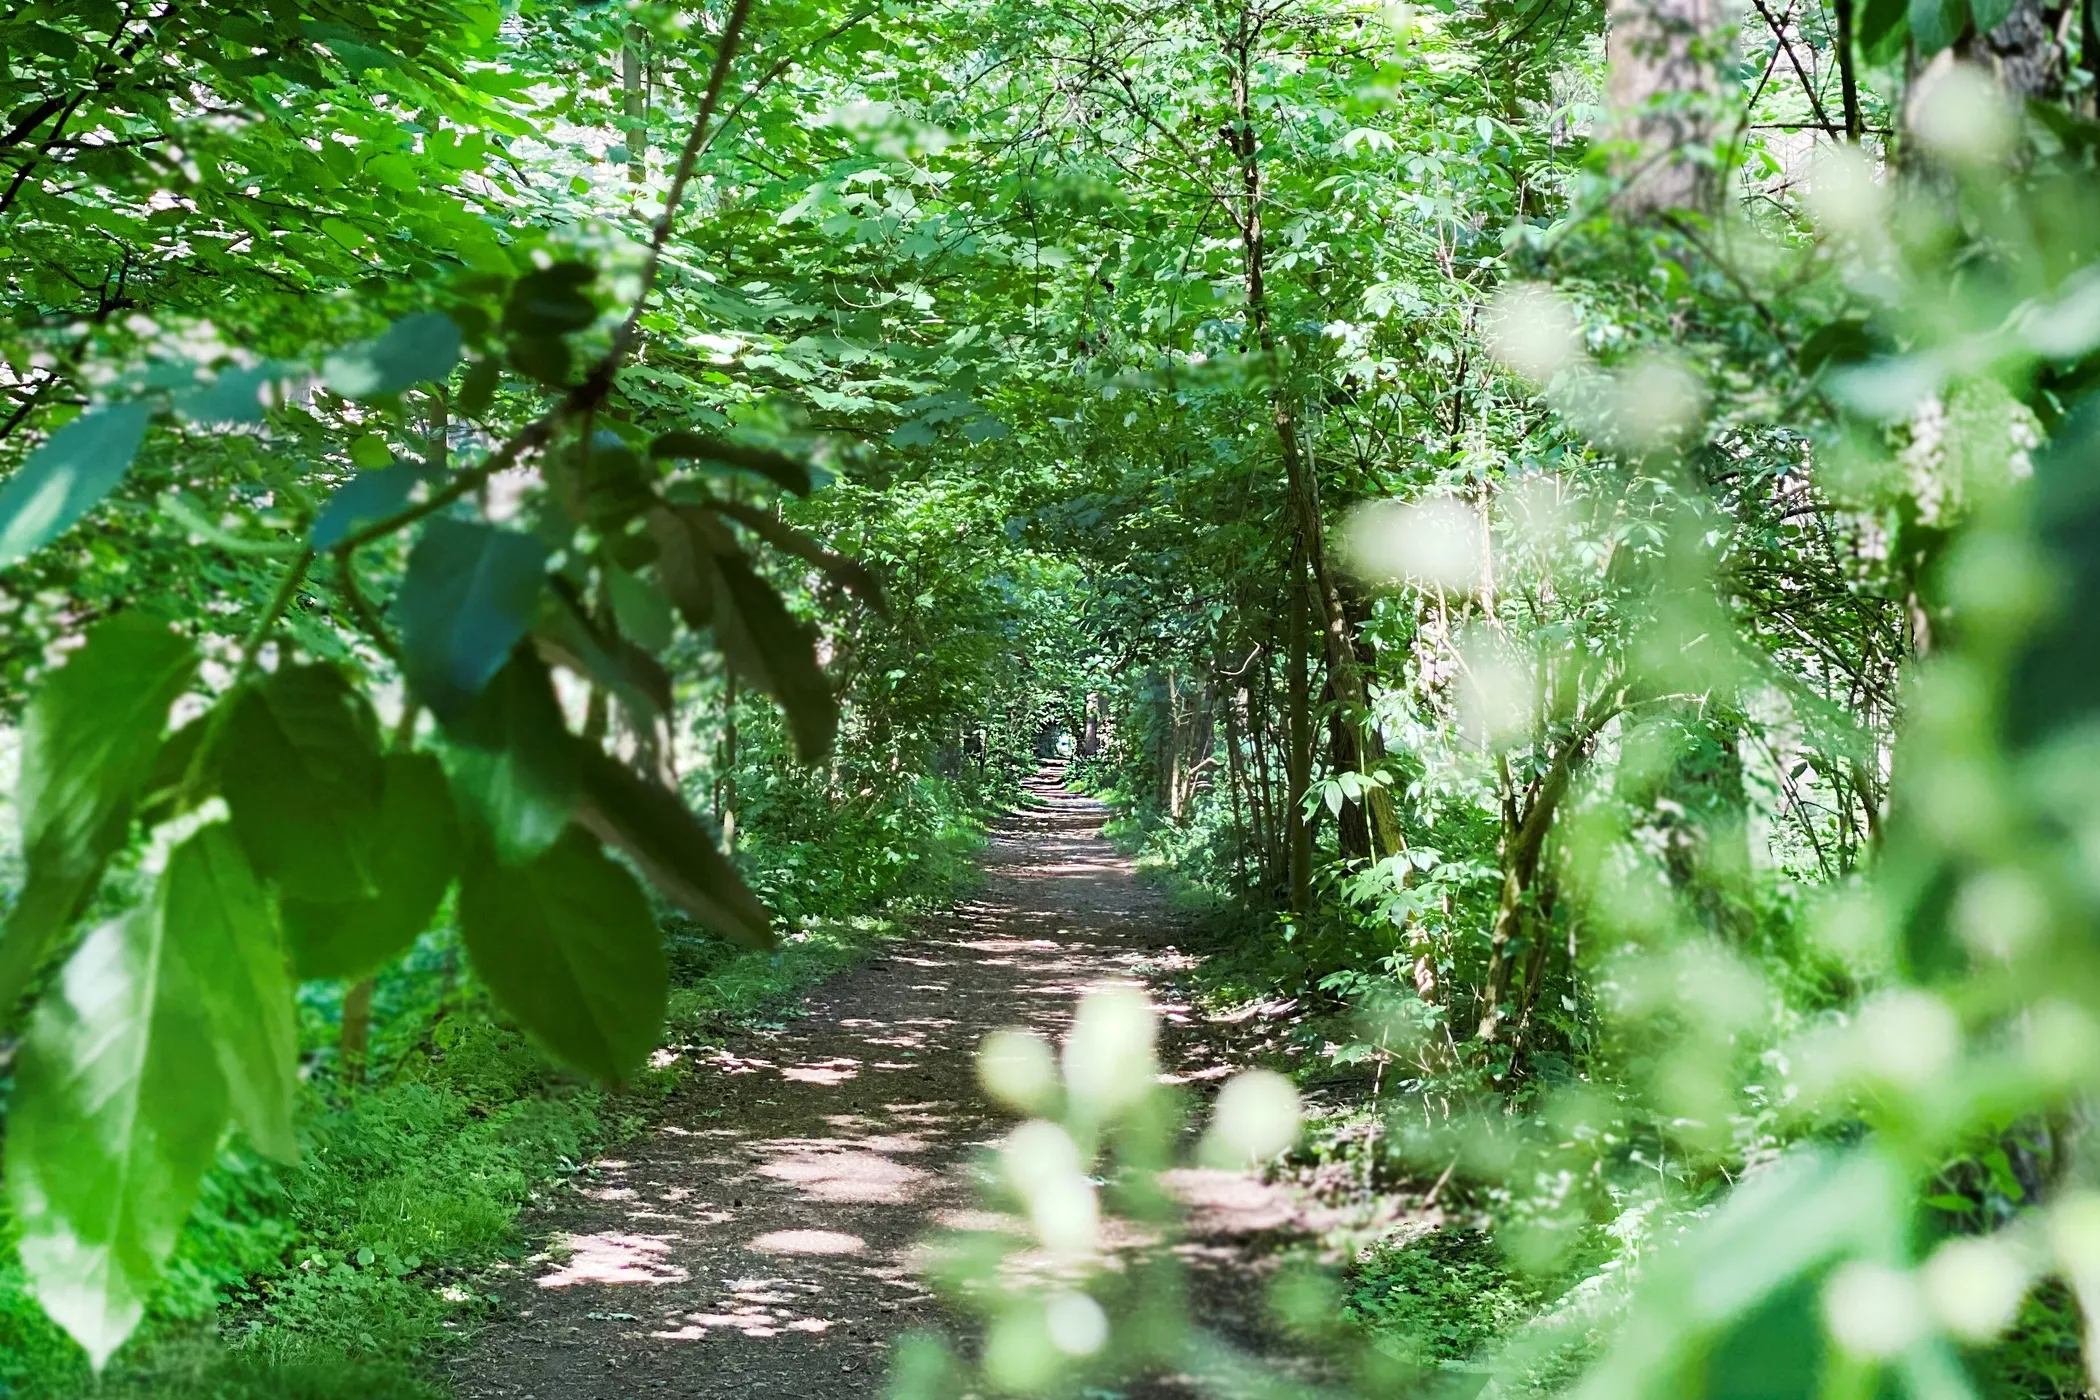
[(1358, 750), (1524, 832), (1268, 826), (356, 1034), (1169, 761), (1352, 829), (2022, 53), (1234, 778), (1848, 77), (725, 782), (1298, 754), (634, 102), (1659, 74)]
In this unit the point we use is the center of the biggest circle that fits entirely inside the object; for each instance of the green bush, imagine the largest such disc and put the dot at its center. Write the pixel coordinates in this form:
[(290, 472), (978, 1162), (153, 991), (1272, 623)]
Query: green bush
[(1446, 1295)]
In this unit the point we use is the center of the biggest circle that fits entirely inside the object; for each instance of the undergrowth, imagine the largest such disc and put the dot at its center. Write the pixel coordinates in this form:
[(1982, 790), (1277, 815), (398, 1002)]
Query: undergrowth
[(354, 1272)]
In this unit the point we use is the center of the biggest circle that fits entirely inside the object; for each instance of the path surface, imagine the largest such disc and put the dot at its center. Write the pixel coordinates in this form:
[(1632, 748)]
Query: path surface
[(763, 1239)]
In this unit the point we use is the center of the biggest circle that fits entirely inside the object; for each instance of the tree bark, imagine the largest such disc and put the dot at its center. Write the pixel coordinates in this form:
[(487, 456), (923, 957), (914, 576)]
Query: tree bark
[(725, 784), (1350, 826), (2023, 53), (1298, 754), (1359, 750), (1848, 78), (634, 102), (1659, 69), (1524, 831), (1233, 780), (356, 1035)]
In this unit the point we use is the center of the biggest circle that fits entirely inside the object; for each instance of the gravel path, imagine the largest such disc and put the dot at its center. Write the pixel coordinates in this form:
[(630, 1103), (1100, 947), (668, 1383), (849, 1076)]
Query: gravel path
[(763, 1239)]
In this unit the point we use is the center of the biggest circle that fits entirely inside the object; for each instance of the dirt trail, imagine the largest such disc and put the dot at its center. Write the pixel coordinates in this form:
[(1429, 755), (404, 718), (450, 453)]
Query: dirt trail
[(762, 1239)]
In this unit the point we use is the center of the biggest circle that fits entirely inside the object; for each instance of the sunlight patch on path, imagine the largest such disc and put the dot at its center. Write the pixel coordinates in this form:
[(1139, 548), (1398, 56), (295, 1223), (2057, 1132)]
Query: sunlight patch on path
[(616, 1259)]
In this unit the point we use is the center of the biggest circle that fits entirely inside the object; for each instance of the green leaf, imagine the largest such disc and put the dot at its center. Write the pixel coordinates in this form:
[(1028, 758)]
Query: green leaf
[(763, 642), (569, 947), (849, 574), (179, 782), (671, 846), (643, 613), (611, 488), (67, 476), (477, 390), (683, 564), (415, 350), (220, 926), (365, 499), (915, 433), (1879, 21), (1937, 23), (118, 1107), (1989, 14), (551, 301), (564, 637), (414, 859), (90, 740), (545, 359), (1840, 342), (235, 396), (300, 765), (777, 467), (470, 594), (371, 452), (513, 763), (343, 232)]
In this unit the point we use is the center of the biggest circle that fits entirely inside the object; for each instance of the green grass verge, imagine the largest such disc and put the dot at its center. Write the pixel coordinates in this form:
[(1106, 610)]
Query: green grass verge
[(352, 1273)]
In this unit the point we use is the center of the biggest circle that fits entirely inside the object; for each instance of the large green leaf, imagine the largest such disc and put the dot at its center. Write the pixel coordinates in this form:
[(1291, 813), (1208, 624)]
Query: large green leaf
[(368, 497), (414, 859), (2052, 688), (566, 638), (849, 574), (118, 1107), (221, 930), (470, 593), (90, 739), (414, 350), (300, 765), (1989, 14), (777, 467), (642, 611), (1937, 23), (682, 563), (234, 396), (1881, 22), (65, 478), (551, 301), (764, 643), (568, 945), (678, 854), (512, 761)]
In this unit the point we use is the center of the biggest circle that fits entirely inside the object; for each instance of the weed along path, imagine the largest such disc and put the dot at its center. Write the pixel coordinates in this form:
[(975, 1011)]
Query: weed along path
[(765, 1238)]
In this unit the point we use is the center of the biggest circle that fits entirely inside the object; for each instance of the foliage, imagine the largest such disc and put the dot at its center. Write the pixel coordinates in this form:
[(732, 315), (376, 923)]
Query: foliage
[(1561, 530), (1445, 1297)]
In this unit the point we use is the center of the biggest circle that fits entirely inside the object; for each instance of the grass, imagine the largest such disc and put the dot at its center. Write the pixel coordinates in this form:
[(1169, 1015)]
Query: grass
[(1446, 1295), (344, 1274), (354, 1272)]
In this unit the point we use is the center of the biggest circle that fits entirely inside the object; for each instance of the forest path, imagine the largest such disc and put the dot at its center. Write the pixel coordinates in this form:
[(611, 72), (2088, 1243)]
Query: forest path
[(764, 1238)]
